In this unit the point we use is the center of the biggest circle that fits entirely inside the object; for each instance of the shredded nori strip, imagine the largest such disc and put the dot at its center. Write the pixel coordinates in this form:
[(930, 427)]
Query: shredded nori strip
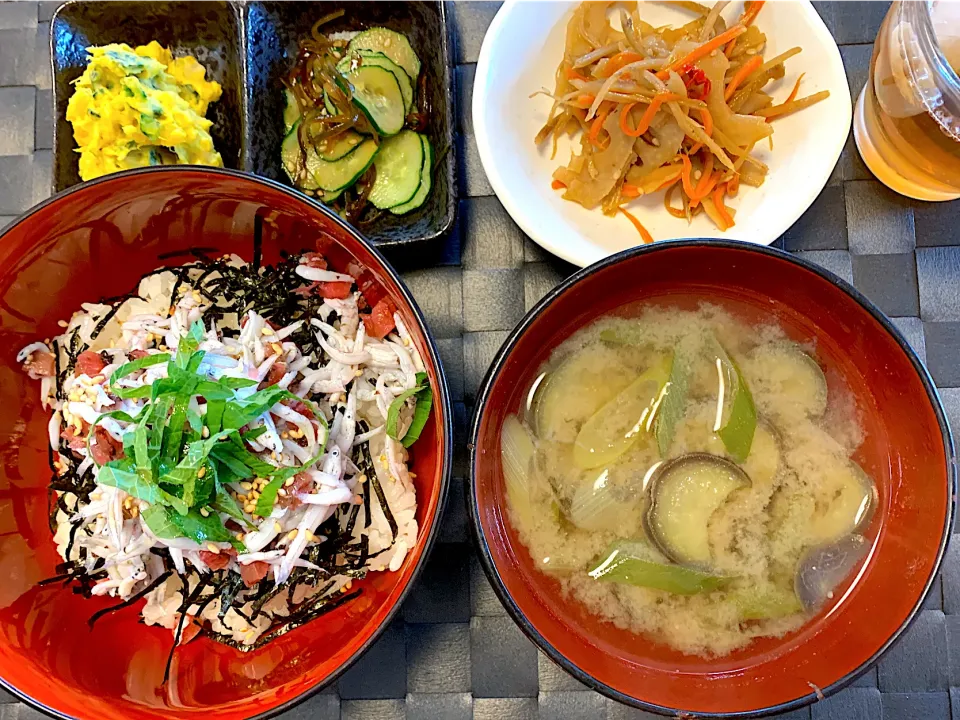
[(103, 321), (382, 499), (185, 605), (130, 600), (229, 590)]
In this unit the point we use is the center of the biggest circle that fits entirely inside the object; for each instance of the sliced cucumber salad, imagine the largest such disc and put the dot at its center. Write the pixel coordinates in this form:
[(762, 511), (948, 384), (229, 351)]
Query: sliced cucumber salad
[(351, 137)]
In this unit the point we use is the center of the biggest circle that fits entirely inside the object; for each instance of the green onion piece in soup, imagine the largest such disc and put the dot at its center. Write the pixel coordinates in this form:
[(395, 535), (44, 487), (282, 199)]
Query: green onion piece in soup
[(766, 603), (672, 403), (633, 562), (623, 421), (596, 507), (736, 420), (516, 456)]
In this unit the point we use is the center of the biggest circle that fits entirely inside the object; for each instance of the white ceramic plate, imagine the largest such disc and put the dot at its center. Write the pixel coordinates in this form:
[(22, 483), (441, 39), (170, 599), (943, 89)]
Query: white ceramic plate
[(520, 55)]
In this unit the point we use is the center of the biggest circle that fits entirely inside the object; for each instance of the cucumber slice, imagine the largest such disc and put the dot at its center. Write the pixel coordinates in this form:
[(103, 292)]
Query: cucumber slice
[(342, 173), (329, 197), (392, 44), (398, 170), (340, 146), (426, 181), (291, 111), (368, 57), (290, 158), (377, 92)]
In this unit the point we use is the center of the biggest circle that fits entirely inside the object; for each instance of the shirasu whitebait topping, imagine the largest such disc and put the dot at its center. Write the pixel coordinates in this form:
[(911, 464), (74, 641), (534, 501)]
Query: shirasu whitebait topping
[(230, 443)]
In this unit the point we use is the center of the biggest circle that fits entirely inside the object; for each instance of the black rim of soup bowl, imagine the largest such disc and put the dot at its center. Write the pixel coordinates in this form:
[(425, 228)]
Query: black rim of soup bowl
[(483, 546), (441, 399)]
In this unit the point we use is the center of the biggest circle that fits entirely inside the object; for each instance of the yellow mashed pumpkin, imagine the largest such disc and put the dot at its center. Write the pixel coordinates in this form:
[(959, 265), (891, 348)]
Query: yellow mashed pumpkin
[(138, 107)]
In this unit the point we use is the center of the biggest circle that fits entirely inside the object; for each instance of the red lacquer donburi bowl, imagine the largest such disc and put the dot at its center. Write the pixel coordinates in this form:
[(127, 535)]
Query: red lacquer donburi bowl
[(96, 241), (908, 450)]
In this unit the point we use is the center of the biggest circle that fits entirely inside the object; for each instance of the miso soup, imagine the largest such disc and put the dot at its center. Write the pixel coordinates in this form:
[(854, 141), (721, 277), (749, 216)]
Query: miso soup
[(688, 476)]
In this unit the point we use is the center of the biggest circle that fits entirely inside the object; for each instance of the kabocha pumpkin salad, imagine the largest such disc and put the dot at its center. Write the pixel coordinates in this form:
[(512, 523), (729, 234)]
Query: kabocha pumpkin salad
[(230, 443), (355, 119), (141, 107), (678, 110)]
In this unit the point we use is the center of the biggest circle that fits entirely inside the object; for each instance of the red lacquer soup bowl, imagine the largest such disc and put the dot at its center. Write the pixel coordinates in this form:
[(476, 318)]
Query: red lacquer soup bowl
[(96, 241), (907, 449)]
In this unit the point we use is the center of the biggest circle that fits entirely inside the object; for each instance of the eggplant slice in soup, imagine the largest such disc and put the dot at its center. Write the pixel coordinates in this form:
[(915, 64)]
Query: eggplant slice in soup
[(685, 493)]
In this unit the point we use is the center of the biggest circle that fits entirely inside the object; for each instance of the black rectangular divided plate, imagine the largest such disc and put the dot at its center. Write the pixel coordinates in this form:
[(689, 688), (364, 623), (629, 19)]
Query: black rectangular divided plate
[(248, 48), (210, 31)]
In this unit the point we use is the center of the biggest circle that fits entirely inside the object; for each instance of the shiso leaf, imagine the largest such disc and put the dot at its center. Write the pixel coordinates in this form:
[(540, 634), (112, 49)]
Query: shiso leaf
[(424, 402)]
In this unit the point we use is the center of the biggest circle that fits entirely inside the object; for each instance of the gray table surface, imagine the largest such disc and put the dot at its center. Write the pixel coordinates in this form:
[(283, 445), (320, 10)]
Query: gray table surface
[(453, 652)]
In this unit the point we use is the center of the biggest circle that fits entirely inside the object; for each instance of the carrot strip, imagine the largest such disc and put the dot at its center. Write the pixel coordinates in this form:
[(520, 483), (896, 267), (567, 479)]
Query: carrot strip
[(676, 212), (644, 234), (618, 61), (745, 70), (648, 114), (694, 149), (624, 120), (629, 192), (733, 185), (597, 125), (558, 185), (750, 15), (704, 178), (706, 190), (793, 93), (585, 101), (728, 51), (707, 121), (721, 208), (668, 183), (702, 51), (685, 175), (574, 75)]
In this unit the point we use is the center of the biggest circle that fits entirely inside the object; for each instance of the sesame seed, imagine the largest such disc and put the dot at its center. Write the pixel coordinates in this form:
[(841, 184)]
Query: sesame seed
[(357, 373), (281, 492), (266, 330), (246, 485), (213, 548), (288, 482), (62, 323), (276, 526), (292, 535), (205, 432), (240, 536), (698, 174), (202, 471), (204, 512), (412, 475), (249, 508), (362, 479), (277, 348), (284, 435)]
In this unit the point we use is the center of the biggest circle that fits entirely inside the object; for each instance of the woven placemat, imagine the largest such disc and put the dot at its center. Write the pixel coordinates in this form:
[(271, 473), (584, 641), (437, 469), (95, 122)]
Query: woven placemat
[(453, 653)]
